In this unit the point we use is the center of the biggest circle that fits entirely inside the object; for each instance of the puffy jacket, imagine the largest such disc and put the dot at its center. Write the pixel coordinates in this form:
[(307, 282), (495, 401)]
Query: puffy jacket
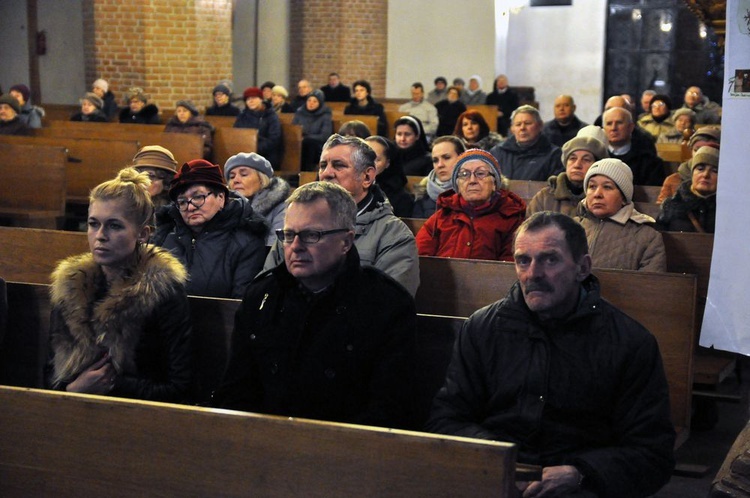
[(557, 196), (268, 125), (269, 203), (586, 390), (537, 162), (458, 231), (676, 212), (316, 125), (225, 256)]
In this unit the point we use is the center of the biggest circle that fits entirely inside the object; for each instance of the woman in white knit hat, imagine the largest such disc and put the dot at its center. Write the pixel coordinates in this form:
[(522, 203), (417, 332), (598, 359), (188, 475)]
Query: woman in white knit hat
[(618, 235)]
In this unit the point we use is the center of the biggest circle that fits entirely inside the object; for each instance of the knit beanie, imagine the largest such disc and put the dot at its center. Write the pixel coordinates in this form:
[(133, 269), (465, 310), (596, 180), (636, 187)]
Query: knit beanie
[(222, 89), (280, 90), (705, 155), (197, 171), (712, 133), (23, 90), (251, 160), (661, 98), (11, 101), (189, 106), (155, 156), (476, 155), (594, 131), (137, 93), (589, 144), (100, 83), (615, 170), (683, 111), (94, 99), (252, 91), (318, 95)]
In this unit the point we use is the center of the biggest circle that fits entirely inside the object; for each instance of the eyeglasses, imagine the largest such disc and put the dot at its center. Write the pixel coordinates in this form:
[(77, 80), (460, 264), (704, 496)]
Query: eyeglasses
[(197, 201), (305, 236), (480, 174)]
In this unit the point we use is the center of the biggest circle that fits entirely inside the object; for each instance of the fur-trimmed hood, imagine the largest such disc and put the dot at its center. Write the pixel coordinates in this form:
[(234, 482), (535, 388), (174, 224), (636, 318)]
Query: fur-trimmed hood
[(265, 200), (114, 322)]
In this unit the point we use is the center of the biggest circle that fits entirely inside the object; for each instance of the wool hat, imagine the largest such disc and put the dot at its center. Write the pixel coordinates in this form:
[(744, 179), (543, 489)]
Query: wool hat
[(155, 156), (251, 160), (188, 105), (441, 79), (705, 155), (459, 81), (137, 93), (100, 83), (594, 131), (222, 89), (196, 171), (318, 95), (280, 90), (660, 98), (94, 99), (252, 91), (587, 143), (615, 170), (23, 90), (11, 101), (712, 133), (683, 111), (477, 155)]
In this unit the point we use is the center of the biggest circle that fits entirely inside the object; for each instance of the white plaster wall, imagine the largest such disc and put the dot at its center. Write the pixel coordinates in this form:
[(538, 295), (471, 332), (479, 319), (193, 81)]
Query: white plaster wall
[(243, 45), (429, 38), (559, 50), (14, 46), (273, 42), (61, 70)]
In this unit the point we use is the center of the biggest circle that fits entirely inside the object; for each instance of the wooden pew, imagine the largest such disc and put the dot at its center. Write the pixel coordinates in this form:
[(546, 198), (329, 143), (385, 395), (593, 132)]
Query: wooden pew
[(90, 161), (22, 258), (673, 153), (391, 116), (231, 141), (61, 444), (3, 309), (221, 121), (34, 185), (184, 146), (370, 121), (663, 302), (61, 112), (292, 159)]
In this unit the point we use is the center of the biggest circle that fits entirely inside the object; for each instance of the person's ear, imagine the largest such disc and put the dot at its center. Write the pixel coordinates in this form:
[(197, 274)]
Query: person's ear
[(583, 267), (348, 241), (368, 177), (144, 234)]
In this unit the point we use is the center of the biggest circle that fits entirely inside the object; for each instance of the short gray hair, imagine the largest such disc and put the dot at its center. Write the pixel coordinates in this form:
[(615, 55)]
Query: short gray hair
[(340, 201), (362, 157), (527, 109), (628, 115)]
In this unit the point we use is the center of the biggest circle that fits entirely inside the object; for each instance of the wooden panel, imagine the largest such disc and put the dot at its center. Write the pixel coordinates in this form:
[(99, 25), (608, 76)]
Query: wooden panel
[(307, 177), (21, 257), (488, 112), (391, 116), (231, 141), (292, 136), (221, 121), (370, 121), (98, 446), (673, 153)]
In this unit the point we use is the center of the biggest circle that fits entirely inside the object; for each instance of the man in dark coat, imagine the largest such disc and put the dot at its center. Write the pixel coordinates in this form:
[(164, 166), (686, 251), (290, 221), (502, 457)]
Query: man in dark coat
[(319, 336), (566, 124), (575, 383), (335, 91)]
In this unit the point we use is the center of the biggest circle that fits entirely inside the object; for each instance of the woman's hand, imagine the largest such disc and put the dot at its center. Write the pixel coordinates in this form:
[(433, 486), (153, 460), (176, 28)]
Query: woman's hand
[(99, 378)]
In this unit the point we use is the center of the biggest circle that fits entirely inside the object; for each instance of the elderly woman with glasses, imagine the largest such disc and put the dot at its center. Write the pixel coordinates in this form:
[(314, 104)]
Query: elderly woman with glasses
[(214, 232), (478, 217)]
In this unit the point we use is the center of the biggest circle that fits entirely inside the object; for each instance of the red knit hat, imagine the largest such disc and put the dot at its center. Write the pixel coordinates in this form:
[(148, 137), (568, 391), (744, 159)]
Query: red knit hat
[(253, 91), (197, 171)]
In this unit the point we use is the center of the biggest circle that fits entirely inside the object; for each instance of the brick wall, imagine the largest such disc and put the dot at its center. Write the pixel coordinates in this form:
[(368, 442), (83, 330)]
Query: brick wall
[(349, 37), (173, 49)]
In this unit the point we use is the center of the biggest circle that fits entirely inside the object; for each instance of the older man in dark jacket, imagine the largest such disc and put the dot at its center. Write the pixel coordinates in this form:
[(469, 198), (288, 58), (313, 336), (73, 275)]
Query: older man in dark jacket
[(578, 385), (319, 336)]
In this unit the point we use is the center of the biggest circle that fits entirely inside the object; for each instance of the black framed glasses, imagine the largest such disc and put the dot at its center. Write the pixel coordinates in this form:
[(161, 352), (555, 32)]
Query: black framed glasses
[(197, 201), (305, 236), (480, 174)]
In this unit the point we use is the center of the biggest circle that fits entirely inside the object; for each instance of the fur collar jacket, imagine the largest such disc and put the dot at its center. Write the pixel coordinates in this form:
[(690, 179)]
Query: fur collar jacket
[(99, 320)]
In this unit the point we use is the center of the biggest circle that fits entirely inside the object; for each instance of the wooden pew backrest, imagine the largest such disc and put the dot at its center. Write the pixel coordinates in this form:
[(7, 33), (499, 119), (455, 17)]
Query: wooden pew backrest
[(231, 141)]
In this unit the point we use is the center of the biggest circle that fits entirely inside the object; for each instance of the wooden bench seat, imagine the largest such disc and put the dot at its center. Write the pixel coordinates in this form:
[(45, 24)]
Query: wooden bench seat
[(61, 444)]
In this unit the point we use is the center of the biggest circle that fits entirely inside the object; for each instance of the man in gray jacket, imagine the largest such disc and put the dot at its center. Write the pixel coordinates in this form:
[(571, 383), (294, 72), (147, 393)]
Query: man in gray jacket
[(382, 239)]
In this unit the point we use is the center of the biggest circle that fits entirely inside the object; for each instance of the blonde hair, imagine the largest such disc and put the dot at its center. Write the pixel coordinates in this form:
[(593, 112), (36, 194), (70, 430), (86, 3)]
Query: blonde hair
[(130, 186)]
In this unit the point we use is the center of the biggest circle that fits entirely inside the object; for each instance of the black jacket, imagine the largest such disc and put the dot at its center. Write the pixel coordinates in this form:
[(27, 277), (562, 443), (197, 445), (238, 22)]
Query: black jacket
[(148, 115), (270, 141), (345, 354), (371, 109), (676, 211), (588, 390)]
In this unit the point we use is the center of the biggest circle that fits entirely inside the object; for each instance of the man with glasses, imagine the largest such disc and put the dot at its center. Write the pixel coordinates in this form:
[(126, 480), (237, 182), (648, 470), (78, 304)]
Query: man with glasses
[(320, 336), (477, 219), (382, 240), (706, 111)]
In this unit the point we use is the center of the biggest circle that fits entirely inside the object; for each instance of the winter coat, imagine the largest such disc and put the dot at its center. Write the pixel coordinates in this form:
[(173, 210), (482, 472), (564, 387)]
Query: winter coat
[(488, 142), (586, 390), (14, 127), (558, 134), (95, 117), (654, 127), (457, 230), (268, 125), (148, 115), (506, 102), (537, 162), (141, 319), (477, 98), (110, 107), (224, 110), (31, 115), (372, 108), (225, 256), (560, 196), (316, 125), (345, 354), (339, 93), (706, 112), (425, 112), (648, 169), (269, 203), (448, 114), (414, 161), (392, 182), (196, 126), (676, 212), (624, 241), (382, 241)]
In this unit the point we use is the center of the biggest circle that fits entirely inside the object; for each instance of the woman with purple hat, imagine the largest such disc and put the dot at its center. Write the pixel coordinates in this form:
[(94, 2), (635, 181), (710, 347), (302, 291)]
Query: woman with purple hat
[(477, 219), (214, 232)]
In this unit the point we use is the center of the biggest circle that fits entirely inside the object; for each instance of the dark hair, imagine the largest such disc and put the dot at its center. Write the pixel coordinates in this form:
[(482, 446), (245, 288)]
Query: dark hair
[(575, 235), (458, 90), (268, 84), (417, 127), (364, 84), (457, 143), (355, 128), (441, 79), (476, 116), (334, 74), (418, 85), (663, 98)]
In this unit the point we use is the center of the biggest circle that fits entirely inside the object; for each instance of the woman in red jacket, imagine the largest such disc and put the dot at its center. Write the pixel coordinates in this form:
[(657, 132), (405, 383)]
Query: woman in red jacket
[(477, 219)]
